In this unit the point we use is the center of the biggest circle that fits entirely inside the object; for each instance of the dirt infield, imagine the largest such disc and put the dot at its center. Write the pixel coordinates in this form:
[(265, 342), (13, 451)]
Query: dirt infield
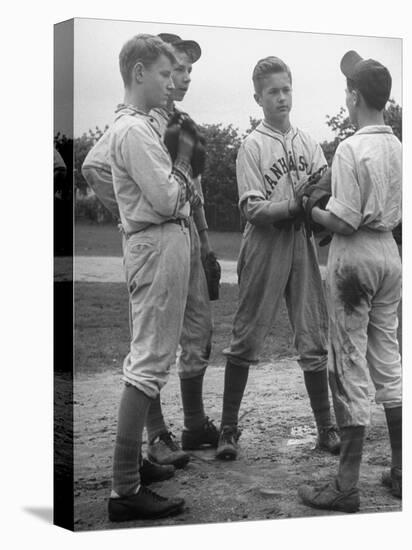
[(277, 452)]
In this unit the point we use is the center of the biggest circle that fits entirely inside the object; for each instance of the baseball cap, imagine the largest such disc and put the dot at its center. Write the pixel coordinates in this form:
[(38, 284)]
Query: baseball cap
[(191, 48), (371, 78)]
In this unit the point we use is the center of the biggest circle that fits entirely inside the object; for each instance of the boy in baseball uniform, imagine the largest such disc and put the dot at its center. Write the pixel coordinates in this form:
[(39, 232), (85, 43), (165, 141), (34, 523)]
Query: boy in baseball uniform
[(363, 282), (152, 197), (195, 340), (277, 257)]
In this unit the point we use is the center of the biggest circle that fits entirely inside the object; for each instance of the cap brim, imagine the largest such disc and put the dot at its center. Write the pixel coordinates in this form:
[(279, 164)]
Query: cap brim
[(191, 47), (349, 62)]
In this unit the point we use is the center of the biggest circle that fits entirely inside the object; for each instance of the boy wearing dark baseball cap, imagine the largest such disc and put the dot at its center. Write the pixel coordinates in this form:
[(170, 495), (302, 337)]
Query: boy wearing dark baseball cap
[(363, 282)]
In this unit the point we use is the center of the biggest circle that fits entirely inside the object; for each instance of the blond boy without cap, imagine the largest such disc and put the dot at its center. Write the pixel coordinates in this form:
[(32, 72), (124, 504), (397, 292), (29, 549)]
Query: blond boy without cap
[(196, 335), (152, 196)]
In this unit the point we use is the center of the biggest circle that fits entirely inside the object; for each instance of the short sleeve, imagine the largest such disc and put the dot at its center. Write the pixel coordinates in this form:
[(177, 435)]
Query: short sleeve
[(345, 202), (249, 178)]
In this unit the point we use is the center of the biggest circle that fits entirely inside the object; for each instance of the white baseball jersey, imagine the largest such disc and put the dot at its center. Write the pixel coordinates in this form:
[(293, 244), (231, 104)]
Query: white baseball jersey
[(275, 262), (364, 274), (96, 168), (367, 179), (270, 163), (148, 189)]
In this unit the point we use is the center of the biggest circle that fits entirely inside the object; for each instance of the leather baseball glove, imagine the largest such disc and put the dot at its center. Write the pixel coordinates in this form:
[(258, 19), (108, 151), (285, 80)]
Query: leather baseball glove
[(213, 273), (182, 121), (317, 192)]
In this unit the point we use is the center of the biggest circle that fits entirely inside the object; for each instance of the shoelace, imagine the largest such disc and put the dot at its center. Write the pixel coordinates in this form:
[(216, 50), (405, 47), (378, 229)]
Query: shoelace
[(229, 433), (330, 429), (168, 438), (209, 424)]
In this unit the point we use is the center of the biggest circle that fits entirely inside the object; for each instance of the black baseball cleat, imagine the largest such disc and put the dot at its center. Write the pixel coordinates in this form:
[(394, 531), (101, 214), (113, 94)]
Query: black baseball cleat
[(206, 434), (227, 445), (151, 472), (393, 480), (330, 497), (164, 449), (329, 440), (145, 504)]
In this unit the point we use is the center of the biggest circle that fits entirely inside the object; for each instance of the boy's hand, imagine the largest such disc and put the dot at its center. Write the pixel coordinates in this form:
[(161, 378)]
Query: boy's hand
[(295, 207), (183, 138)]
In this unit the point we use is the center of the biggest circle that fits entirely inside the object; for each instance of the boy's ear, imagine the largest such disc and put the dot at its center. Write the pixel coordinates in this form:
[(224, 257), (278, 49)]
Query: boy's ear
[(258, 99), (356, 97), (138, 70)]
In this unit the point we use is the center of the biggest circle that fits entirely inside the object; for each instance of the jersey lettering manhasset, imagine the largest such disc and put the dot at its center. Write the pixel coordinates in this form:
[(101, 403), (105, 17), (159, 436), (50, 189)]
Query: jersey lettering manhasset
[(270, 163)]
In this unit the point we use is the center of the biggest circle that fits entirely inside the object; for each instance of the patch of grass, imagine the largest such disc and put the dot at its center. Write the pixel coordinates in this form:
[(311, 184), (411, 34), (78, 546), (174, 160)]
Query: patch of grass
[(102, 327), (103, 337), (92, 239), (225, 244)]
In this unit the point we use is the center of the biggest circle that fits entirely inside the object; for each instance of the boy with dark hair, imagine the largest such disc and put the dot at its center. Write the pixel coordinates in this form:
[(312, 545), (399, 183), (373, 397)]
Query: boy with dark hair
[(277, 257), (195, 340), (363, 282), (152, 197)]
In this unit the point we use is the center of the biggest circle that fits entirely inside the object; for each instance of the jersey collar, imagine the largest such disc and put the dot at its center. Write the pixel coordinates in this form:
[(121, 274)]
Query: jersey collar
[(131, 110), (268, 128), (375, 129)]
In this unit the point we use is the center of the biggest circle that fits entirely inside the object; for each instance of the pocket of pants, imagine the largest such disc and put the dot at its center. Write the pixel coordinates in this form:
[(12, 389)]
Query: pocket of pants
[(139, 263)]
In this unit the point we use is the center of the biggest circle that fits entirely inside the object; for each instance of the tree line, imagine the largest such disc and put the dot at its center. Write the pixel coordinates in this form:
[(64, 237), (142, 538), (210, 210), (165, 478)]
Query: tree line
[(219, 178)]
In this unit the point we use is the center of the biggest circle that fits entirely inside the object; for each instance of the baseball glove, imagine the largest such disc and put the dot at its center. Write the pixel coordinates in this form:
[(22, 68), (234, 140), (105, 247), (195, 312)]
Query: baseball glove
[(213, 272), (182, 121), (318, 192)]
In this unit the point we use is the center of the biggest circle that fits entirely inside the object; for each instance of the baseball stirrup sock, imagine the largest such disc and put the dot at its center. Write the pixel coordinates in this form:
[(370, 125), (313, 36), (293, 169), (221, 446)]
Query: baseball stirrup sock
[(133, 408), (394, 421), (155, 423), (192, 400), (317, 387), (235, 384), (350, 457)]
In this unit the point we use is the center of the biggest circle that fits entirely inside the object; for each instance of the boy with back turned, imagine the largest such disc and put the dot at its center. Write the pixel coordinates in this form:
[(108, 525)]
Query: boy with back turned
[(277, 257), (363, 283)]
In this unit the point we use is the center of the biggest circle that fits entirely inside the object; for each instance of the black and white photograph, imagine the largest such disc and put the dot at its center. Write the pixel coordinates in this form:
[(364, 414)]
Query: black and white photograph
[(205, 280), (236, 273)]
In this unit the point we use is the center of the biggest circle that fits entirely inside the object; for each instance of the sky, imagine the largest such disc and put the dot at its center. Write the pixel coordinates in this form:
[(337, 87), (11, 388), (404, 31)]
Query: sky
[(221, 90)]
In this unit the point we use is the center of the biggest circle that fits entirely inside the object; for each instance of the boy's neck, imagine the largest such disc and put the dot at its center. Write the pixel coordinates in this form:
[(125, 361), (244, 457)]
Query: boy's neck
[(370, 118), (132, 98), (282, 127), (170, 106)]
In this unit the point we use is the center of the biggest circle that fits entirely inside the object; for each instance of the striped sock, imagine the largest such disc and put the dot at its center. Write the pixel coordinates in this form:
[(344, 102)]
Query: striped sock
[(155, 423), (132, 413)]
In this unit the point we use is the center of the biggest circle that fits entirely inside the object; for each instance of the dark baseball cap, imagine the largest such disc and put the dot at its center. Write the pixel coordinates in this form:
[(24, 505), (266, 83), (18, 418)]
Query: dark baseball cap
[(370, 77), (190, 47)]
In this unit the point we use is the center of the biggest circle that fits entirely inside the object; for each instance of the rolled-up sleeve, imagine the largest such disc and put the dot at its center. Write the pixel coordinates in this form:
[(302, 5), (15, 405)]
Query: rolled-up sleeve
[(345, 202), (150, 167)]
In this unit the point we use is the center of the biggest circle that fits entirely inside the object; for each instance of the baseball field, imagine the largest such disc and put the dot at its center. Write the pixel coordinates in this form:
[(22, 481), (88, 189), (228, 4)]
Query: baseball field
[(278, 432)]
